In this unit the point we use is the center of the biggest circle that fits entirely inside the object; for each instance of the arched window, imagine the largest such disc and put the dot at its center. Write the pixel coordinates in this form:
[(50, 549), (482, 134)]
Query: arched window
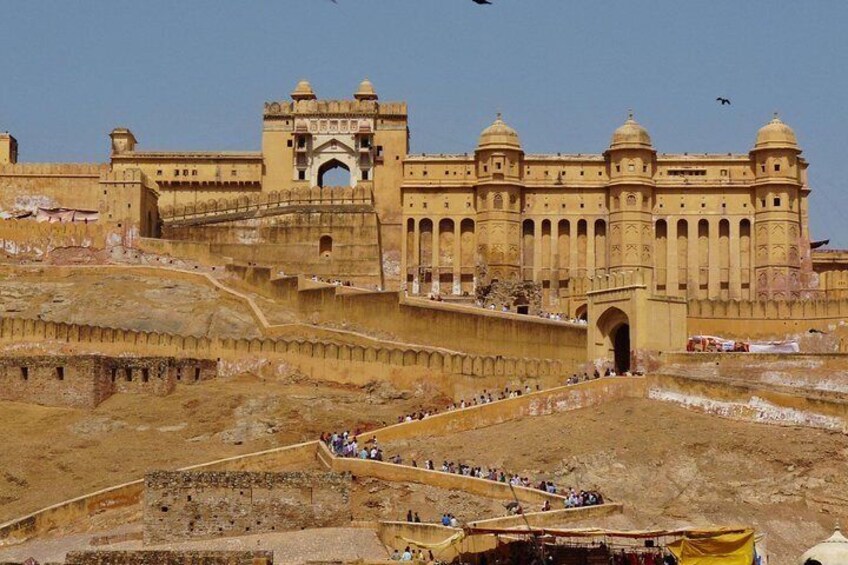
[(334, 173), (325, 246)]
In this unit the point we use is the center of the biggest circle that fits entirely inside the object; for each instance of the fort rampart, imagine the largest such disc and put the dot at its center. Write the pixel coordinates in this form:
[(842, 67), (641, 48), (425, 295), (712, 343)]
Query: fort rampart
[(763, 318), (411, 320), (185, 505), (269, 202), (20, 330)]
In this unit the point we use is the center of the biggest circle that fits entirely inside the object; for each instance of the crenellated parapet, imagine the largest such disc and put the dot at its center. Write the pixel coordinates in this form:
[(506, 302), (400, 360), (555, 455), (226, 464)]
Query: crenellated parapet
[(769, 309), (362, 194), (283, 109), (53, 169), (618, 279)]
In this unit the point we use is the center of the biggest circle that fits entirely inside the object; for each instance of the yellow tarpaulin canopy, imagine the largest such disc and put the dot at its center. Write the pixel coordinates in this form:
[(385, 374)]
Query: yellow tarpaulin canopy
[(698, 546), (602, 532), (722, 549)]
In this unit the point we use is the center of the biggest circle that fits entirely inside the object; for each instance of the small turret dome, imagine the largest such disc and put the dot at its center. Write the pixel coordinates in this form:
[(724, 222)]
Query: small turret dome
[(832, 551), (303, 91), (630, 135), (365, 91), (499, 135), (776, 135)]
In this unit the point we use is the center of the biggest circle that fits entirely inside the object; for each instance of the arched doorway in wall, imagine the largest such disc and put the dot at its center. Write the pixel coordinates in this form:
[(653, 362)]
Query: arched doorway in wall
[(334, 173), (621, 348), (582, 312), (614, 328)]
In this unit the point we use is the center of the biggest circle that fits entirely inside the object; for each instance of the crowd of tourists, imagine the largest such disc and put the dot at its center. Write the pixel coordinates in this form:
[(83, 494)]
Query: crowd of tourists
[(561, 318), (485, 397), (574, 498), (410, 555), (345, 444)]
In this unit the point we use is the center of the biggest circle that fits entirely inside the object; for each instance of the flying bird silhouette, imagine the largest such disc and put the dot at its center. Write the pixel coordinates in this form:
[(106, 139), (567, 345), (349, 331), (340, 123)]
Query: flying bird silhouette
[(723, 101), (481, 2)]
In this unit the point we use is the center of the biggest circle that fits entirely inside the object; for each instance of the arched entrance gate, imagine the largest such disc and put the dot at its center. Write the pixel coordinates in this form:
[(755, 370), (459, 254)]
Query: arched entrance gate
[(613, 327)]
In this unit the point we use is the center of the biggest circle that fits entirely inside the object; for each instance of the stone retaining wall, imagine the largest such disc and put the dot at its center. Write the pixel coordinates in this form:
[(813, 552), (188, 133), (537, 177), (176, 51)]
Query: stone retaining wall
[(182, 505)]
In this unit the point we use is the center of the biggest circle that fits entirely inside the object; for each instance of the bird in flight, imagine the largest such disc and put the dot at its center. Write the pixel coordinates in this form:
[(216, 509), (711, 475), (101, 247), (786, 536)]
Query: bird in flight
[(723, 101), (481, 2)]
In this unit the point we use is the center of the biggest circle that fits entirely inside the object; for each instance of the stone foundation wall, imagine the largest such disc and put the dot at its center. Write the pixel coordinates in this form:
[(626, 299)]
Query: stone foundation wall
[(169, 558), (200, 505), (84, 381)]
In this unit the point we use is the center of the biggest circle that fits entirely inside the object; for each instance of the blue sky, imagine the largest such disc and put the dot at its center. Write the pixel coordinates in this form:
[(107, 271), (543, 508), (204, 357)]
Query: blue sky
[(194, 75)]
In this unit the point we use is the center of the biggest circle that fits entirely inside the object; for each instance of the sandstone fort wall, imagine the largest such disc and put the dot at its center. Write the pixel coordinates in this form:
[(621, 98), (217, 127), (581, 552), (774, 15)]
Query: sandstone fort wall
[(273, 201), (542, 403), (24, 186), (763, 319), (200, 505), (20, 330), (420, 321), (403, 474)]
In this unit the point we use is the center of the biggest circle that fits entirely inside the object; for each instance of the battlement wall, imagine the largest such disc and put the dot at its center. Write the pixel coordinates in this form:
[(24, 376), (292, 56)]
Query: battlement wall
[(763, 318), (91, 170), (325, 107), (22, 330), (620, 279), (183, 505), (299, 196)]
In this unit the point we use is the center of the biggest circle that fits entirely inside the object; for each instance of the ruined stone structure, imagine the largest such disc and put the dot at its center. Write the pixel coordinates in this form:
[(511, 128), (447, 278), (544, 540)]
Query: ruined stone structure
[(194, 505), (84, 381)]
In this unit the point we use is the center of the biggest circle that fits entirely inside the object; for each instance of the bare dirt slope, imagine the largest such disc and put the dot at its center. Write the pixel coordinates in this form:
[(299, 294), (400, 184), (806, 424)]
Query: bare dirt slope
[(126, 300), (376, 500), (670, 466), (53, 454)]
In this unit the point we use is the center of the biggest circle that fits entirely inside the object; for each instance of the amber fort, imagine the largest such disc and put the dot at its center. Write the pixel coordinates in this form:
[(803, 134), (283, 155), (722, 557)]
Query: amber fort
[(419, 308)]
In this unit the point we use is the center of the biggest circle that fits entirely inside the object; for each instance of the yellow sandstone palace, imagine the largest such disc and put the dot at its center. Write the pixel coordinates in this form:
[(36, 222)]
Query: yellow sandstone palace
[(691, 228)]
